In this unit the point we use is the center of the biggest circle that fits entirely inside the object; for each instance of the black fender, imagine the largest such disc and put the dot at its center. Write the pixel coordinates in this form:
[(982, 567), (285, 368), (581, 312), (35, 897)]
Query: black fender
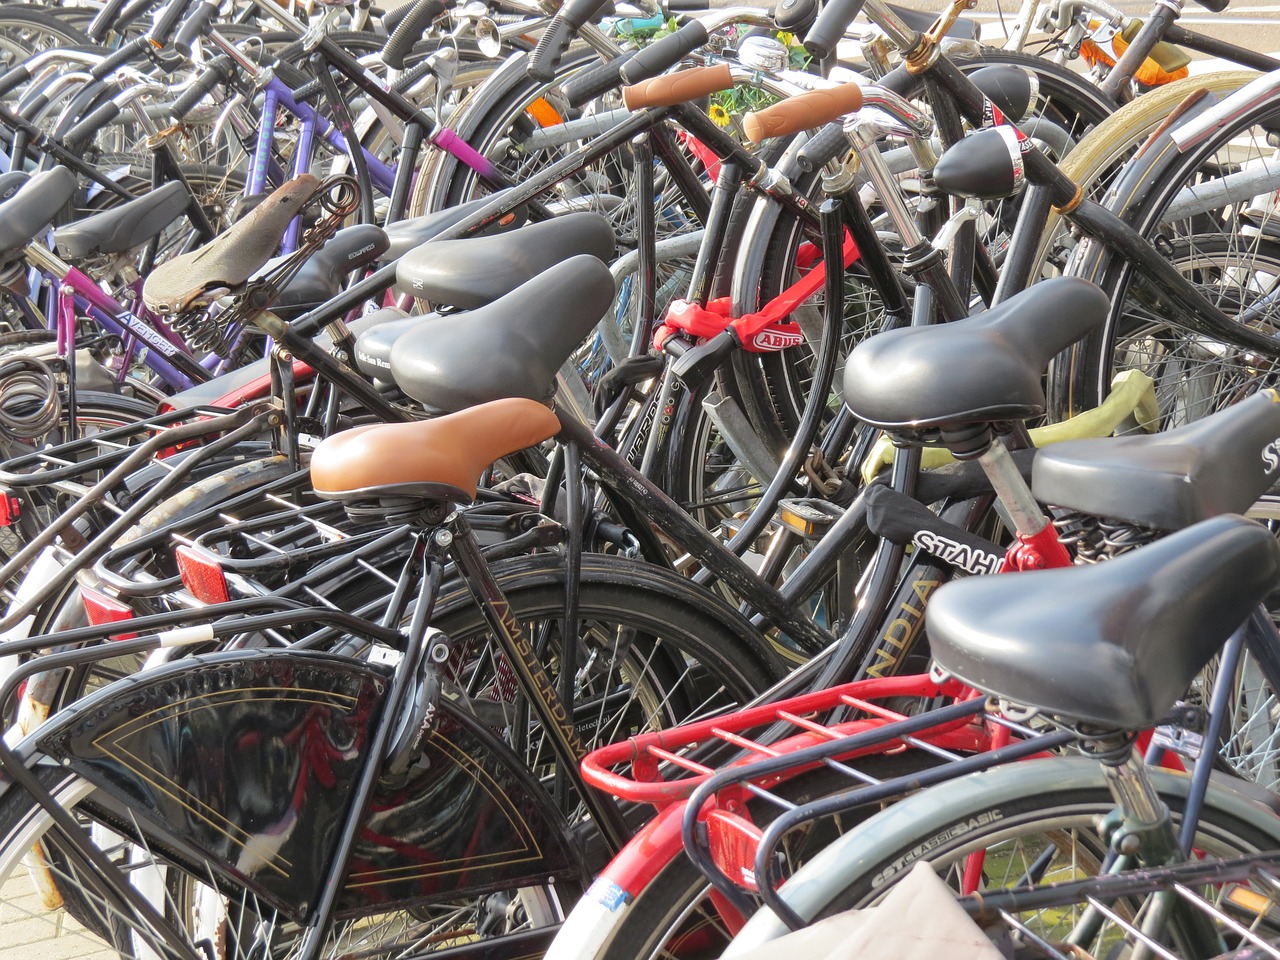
[(241, 764)]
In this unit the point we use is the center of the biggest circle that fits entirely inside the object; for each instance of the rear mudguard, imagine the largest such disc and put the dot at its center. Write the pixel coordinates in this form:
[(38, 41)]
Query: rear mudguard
[(245, 762)]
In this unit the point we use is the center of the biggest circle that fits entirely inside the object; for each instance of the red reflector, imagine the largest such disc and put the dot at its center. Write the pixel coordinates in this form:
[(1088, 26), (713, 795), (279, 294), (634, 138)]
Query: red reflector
[(733, 842), (10, 508), (102, 609), (202, 575)]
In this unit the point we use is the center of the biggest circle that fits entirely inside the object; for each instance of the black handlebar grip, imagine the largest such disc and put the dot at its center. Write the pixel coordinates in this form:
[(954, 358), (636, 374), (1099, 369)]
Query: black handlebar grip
[(578, 12), (391, 19), (594, 81), (132, 50), (410, 30), (559, 34), (665, 54), (795, 15), (12, 79), (1217, 6), (103, 20), (167, 22), (824, 146), (549, 50), (218, 71), (131, 13), (551, 47), (195, 27), (829, 27), (81, 134)]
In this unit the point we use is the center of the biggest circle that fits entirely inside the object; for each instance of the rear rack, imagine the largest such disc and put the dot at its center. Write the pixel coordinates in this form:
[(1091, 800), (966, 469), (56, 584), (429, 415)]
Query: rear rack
[(76, 459), (660, 775), (759, 748), (94, 471)]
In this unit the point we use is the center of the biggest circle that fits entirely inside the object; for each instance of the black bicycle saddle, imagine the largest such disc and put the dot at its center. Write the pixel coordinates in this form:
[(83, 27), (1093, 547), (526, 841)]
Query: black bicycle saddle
[(322, 276), (33, 208), (406, 235), (125, 226), (1114, 643), (510, 348), (12, 182), (983, 369), (373, 347), (478, 270), (1169, 480)]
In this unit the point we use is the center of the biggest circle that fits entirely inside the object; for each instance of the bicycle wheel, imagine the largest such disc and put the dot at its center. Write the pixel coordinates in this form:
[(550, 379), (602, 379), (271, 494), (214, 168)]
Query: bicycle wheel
[(235, 927), (1096, 159), (25, 30), (1195, 213), (1035, 823), (1250, 746), (653, 649), (1195, 376)]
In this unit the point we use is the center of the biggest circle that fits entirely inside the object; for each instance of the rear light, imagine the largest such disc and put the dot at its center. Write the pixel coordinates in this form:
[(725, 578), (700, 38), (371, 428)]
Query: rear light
[(102, 609), (202, 575), (733, 842)]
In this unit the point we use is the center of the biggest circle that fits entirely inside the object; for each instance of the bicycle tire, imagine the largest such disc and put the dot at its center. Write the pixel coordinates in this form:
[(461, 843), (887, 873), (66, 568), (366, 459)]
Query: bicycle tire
[(1048, 799), (611, 590), (701, 649), (1095, 361), (483, 118), (1095, 159), (29, 29)]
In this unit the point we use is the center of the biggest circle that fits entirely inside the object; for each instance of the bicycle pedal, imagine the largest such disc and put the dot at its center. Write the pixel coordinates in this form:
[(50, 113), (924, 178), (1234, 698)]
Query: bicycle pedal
[(810, 517), (1250, 905)]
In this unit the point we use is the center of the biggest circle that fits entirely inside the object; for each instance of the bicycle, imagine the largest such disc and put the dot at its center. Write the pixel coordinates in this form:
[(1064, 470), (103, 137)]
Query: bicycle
[(417, 699), (1022, 802)]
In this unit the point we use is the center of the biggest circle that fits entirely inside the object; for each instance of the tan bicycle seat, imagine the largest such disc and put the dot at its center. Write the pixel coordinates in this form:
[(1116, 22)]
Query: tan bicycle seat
[(440, 459), (231, 259)]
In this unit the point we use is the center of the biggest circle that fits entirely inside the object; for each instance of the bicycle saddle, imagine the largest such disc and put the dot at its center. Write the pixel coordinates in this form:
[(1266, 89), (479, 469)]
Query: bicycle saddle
[(1169, 480), (918, 21), (321, 277), (406, 235), (1113, 643), (373, 348), (478, 270), (33, 208), (511, 348), (12, 182), (126, 226), (983, 369), (232, 258), (440, 459)]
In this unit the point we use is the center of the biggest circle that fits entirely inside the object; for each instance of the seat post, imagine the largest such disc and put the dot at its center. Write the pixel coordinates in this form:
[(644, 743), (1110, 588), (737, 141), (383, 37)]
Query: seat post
[(1038, 544)]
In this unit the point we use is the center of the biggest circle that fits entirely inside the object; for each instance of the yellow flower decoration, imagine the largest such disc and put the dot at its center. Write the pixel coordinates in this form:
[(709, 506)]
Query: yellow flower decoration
[(787, 39), (719, 115)]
